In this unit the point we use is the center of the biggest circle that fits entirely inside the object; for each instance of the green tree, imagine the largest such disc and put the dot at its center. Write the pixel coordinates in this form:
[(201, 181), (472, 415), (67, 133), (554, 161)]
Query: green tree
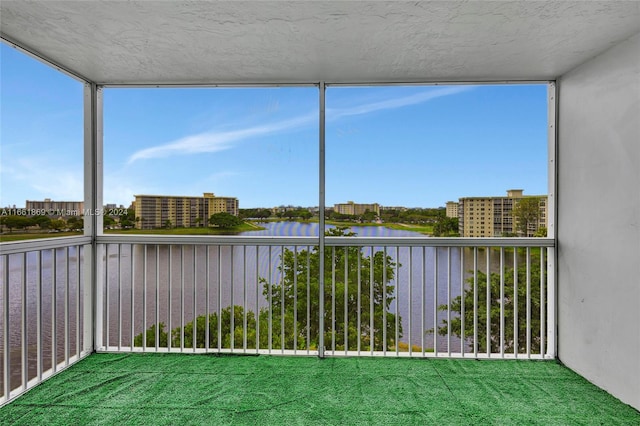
[(446, 227), (293, 290), (186, 339), (167, 224), (254, 213), (526, 213), (494, 312), (16, 222), (224, 220), (76, 222), (541, 232), (368, 216), (42, 221), (58, 224)]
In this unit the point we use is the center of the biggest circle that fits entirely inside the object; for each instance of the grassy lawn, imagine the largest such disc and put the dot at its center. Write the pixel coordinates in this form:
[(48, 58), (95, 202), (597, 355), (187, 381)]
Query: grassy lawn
[(17, 236), (423, 229), (247, 226)]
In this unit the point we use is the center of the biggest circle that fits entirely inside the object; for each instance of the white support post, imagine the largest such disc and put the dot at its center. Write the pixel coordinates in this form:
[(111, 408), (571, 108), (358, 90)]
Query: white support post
[(321, 208), (552, 210), (93, 256)]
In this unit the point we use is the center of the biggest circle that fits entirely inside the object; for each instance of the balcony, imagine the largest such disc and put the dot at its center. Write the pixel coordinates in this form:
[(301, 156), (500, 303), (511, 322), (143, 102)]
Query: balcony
[(177, 282), (112, 327)]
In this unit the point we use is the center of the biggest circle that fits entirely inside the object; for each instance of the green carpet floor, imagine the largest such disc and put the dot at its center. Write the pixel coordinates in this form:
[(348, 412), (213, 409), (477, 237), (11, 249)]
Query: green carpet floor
[(156, 389)]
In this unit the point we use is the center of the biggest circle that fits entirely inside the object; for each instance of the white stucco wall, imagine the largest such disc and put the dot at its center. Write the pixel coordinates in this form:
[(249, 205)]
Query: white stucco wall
[(599, 220)]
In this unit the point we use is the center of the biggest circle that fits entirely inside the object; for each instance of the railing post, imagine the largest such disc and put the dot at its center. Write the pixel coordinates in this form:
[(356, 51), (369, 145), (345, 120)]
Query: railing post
[(551, 303), (321, 222), (92, 215)]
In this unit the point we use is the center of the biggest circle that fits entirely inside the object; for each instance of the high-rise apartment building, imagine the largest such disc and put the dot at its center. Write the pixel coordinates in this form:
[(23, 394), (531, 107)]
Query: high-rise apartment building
[(156, 211), (452, 209), (493, 216), (49, 207), (356, 209)]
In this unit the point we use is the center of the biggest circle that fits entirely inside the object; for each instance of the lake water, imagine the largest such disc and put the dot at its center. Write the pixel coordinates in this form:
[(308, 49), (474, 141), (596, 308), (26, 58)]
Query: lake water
[(232, 274)]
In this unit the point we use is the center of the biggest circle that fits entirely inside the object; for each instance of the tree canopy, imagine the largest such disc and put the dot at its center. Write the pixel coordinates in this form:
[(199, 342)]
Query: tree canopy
[(224, 220), (526, 213), (293, 300), (509, 303)]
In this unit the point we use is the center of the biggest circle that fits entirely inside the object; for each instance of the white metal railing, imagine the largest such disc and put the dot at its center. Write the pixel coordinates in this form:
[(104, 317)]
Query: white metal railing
[(382, 296), (46, 310), (192, 294)]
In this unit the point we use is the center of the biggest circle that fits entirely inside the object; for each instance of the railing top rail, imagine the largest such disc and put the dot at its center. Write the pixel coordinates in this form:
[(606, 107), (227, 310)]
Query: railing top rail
[(14, 247), (329, 241)]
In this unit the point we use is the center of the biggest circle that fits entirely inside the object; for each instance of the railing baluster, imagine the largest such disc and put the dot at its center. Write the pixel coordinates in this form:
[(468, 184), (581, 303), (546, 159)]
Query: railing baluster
[(54, 320), (423, 275), (448, 301), (295, 300), (282, 276), (502, 301), (5, 331), (270, 316), (371, 279), (462, 303), (219, 304), (346, 300), (528, 303), (133, 285), (410, 299), (39, 333), (397, 316), (488, 307), (157, 297), (182, 330), (119, 297), (194, 328), (542, 303), (435, 301), (23, 322), (515, 303), (244, 299), (67, 326), (384, 300), (333, 300), (257, 314), (231, 288), (359, 311), (170, 285), (475, 302), (144, 297), (78, 287), (106, 290), (207, 330), (308, 299)]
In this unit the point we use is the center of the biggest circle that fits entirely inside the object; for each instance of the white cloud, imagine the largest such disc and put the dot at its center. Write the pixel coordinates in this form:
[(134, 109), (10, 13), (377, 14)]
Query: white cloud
[(45, 178), (215, 141), (417, 98)]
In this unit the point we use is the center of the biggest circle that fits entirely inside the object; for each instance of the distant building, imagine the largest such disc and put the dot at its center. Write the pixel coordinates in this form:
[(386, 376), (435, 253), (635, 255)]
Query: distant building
[(356, 209), (452, 209), (155, 211), (48, 207), (493, 216)]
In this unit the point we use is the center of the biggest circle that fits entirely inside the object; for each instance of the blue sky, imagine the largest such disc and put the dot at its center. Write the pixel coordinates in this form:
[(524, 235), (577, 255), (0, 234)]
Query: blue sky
[(414, 146)]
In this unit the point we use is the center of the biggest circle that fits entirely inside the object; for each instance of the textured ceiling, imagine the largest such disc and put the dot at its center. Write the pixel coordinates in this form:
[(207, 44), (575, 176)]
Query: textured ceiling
[(190, 42)]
